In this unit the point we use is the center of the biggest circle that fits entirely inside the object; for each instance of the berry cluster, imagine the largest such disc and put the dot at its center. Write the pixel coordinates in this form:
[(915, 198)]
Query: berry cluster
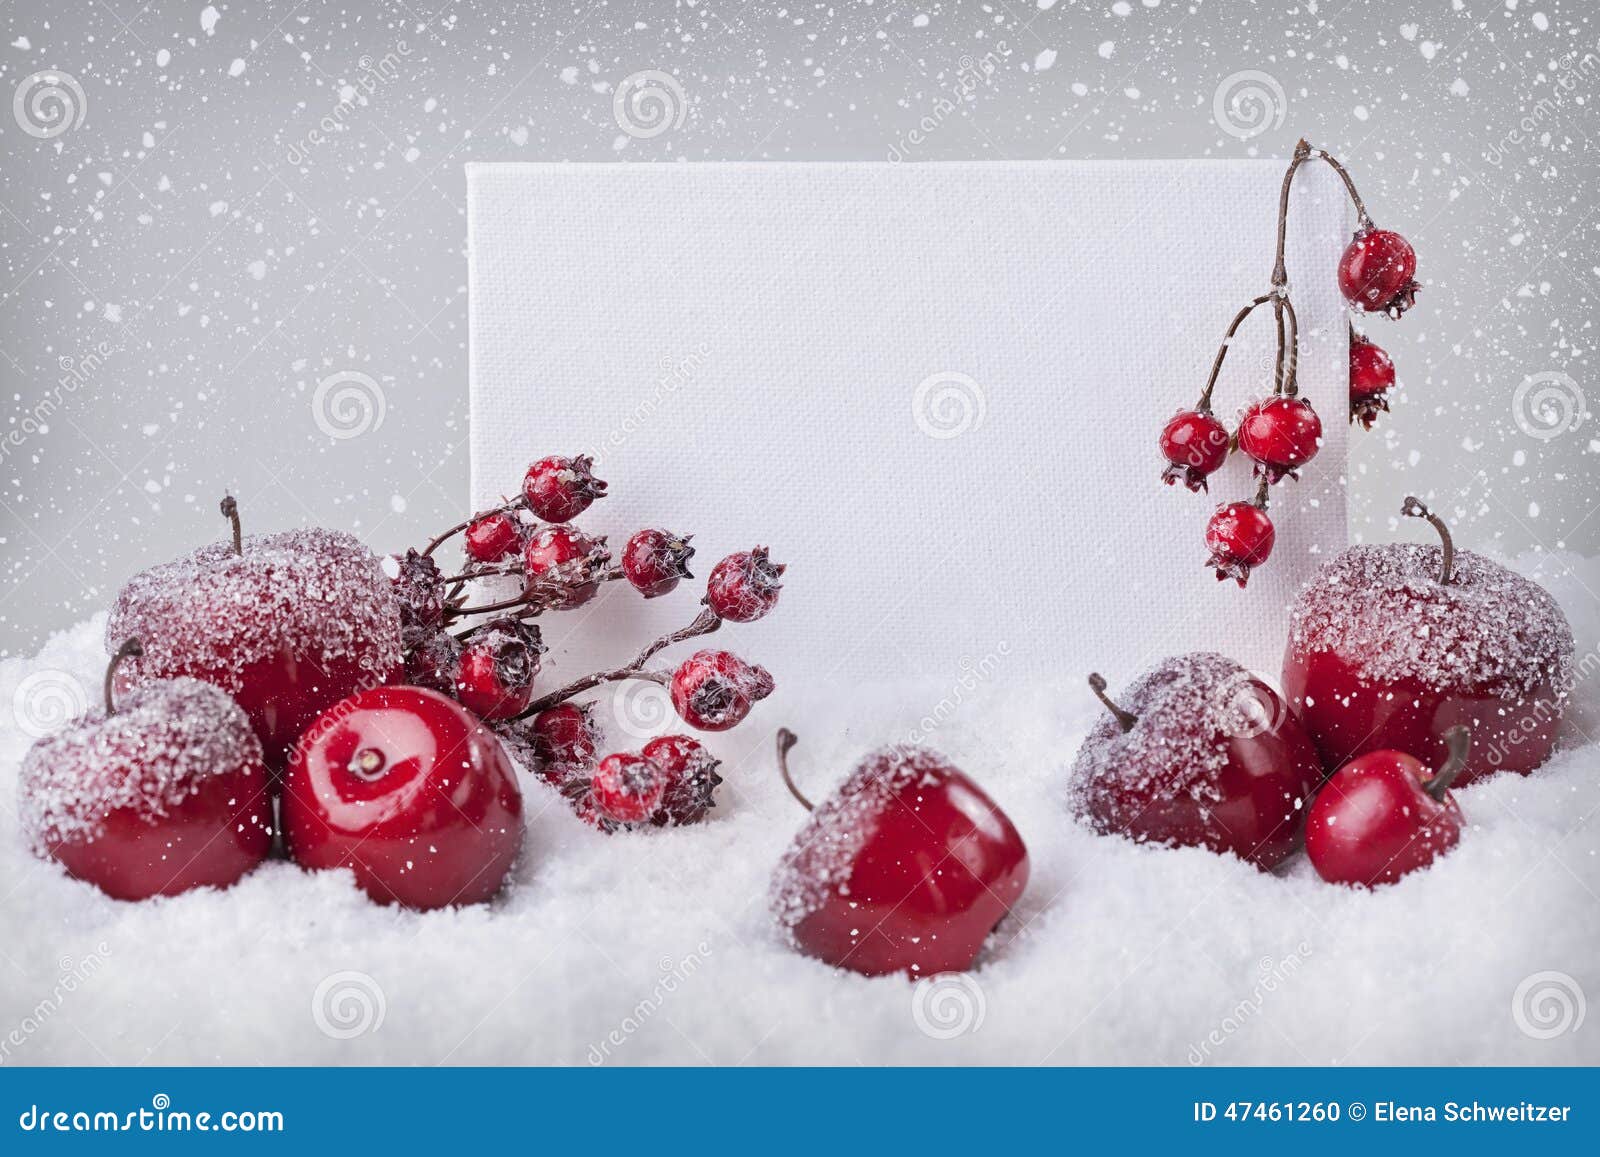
[(1282, 432)]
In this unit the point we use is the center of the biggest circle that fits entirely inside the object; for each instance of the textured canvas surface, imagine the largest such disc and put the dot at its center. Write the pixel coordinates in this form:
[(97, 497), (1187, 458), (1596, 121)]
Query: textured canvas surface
[(933, 390)]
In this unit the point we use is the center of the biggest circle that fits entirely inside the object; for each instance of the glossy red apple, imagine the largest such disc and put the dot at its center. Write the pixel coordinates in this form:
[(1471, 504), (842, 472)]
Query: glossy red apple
[(906, 868), (163, 791), (1391, 646), (287, 624), (409, 789), (1384, 814), (1199, 753)]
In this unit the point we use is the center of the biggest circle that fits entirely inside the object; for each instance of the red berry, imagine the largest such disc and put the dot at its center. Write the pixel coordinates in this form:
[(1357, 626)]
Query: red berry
[(1194, 444), (1239, 537), (565, 741), (743, 587), (628, 788), (166, 794), (559, 489), (411, 791), (498, 664), (1377, 272), (1383, 815), (1371, 377), (1281, 434), (714, 690), (655, 560), (419, 586), (567, 562), (493, 538), (435, 663), (692, 779), (588, 809)]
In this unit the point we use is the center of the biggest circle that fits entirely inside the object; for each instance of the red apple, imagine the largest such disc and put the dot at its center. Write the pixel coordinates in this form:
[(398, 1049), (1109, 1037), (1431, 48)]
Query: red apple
[(287, 624), (1391, 646), (907, 868), (1200, 753)]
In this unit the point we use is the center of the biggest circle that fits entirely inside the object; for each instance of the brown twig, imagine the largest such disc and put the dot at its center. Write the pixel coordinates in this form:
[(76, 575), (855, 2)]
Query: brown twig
[(706, 622)]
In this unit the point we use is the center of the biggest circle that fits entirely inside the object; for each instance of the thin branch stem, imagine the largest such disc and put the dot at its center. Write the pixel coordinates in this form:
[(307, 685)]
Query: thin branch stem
[(514, 504), (706, 622), (1204, 405)]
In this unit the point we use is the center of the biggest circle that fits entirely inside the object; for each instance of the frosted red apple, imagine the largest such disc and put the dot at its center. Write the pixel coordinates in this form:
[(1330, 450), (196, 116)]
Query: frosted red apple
[(1390, 646)]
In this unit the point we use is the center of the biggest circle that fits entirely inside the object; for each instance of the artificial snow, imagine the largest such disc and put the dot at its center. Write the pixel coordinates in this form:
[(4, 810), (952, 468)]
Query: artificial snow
[(657, 946)]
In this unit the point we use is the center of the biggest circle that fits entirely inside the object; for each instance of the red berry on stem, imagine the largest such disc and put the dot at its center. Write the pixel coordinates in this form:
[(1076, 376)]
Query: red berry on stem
[(163, 791), (1371, 377), (493, 538), (497, 668), (1377, 272), (743, 587), (1280, 434), (1195, 444), (559, 489), (1383, 815), (411, 791), (714, 690), (435, 663), (628, 788), (567, 561), (565, 741), (1239, 537), (654, 561), (692, 779)]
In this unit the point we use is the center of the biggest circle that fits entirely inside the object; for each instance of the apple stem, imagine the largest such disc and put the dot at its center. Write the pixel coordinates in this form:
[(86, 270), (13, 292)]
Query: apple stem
[(1414, 508), (786, 740), (1097, 684), (131, 649), (704, 623), (1459, 742), (460, 526), (230, 510)]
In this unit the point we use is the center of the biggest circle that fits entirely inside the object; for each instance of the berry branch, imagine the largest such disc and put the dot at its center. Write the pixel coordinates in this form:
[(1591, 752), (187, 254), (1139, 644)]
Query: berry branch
[(707, 621)]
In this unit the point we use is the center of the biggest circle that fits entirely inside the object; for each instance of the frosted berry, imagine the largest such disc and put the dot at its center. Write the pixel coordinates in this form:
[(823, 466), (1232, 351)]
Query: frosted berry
[(1371, 378), (714, 690), (434, 663), (493, 538), (567, 563), (1377, 272), (692, 779), (497, 667), (743, 587), (1195, 444), (559, 489), (654, 561), (628, 788), (419, 586), (1239, 537), (1281, 434), (565, 742)]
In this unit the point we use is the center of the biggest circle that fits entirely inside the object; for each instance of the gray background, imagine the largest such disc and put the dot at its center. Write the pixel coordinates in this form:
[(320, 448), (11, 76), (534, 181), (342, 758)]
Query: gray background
[(185, 266)]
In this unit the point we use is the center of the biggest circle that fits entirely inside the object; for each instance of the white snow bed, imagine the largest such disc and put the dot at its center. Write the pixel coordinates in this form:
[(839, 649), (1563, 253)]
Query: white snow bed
[(656, 947)]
